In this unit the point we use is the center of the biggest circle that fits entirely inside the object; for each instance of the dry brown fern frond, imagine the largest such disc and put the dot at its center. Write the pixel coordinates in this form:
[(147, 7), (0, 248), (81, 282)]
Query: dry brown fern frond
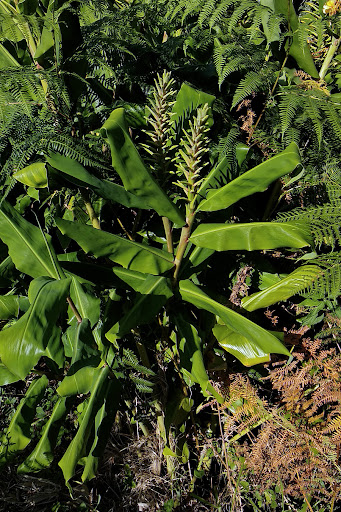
[(296, 440)]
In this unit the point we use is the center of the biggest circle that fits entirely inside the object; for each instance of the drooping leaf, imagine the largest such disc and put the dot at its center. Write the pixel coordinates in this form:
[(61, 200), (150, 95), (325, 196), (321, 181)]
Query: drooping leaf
[(252, 236), (34, 175), (22, 344), (135, 176), (43, 454), (102, 427), (252, 181), (30, 251), (19, 433), (259, 341), (239, 346), (132, 255), (103, 391), (299, 50), (296, 282), (75, 173), (152, 295)]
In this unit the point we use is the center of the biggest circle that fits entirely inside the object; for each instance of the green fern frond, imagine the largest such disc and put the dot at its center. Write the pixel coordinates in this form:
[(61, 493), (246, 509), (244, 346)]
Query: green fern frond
[(142, 385), (327, 285), (220, 13), (245, 7), (324, 222), (288, 107), (206, 12), (332, 111), (252, 82), (313, 112)]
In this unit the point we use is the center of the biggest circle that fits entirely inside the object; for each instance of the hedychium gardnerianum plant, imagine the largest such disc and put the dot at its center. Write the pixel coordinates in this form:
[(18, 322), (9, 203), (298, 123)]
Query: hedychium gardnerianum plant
[(128, 291)]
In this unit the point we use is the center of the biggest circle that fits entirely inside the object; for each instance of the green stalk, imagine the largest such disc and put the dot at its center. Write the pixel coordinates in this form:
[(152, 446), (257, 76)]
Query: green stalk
[(168, 232), (185, 234), (329, 57), (91, 212)]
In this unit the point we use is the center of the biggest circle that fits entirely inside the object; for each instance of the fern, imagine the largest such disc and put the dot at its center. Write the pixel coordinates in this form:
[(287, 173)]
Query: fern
[(312, 104)]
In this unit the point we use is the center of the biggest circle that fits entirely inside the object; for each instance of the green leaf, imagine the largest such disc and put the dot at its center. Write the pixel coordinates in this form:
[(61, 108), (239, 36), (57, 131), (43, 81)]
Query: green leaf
[(87, 304), (240, 346), (103, 391), (258, 340), (6, 59), (129, 254), (296, 282), (133, 173), (152, 296), (42, 455), (85, 357), (187, 100), (75, 173), (22, 344), (11, 304), (252, 181), (102, 426), (191, 356), (299, 50), (19, 433), (30, 251), (78, 383), (7, 377), (35, 175), (252, 236)]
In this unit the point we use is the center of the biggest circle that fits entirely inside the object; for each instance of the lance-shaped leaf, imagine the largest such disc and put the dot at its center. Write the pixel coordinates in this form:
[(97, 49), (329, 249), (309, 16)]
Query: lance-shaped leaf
[(133, 173), (34, 175), (102, 427), (22, 344), (75, 173), (252, 343), (191, 356), (42, 455), (152, 295), (239, 346), (187, 100), (252, 236), (30, 251), (252, 181), (129, 254), (296, 282), (103, 391), (19, 433)]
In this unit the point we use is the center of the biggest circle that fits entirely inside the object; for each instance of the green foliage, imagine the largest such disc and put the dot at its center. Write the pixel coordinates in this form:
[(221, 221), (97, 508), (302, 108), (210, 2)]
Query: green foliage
[(118, 198)]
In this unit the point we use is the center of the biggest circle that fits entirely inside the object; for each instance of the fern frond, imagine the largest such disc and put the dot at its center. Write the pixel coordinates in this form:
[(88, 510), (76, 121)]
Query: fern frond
[(142, 385), (252, 82)]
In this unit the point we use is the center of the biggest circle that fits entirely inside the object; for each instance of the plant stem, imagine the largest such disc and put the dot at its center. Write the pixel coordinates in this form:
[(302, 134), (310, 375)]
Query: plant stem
[(91, 212), (74, 309), (168, 232), (185, 234), (329, 57)]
